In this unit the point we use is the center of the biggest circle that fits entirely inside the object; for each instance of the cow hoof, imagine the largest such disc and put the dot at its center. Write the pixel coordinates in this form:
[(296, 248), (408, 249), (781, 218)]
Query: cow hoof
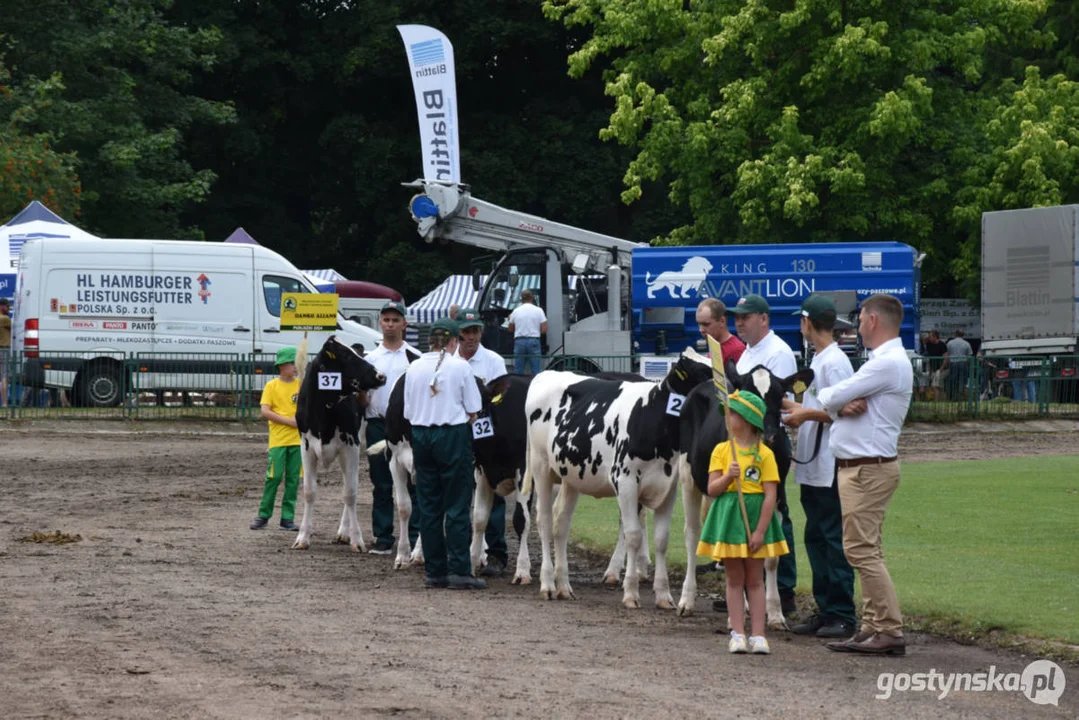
[(632, 604), (644, 578), (665, 604), (341, 540), (565, 594), (546, 594), (684, 611), (300, 545), (401, 563), (358, 549), (780, 624), (522, 580), (609, 579)]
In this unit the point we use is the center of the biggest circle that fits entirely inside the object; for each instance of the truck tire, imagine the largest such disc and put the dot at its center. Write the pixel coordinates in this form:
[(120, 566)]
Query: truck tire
[(101, 384)]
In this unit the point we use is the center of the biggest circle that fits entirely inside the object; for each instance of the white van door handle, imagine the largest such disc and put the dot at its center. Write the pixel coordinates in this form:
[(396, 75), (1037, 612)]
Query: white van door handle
[(241, 328), (272, 330)]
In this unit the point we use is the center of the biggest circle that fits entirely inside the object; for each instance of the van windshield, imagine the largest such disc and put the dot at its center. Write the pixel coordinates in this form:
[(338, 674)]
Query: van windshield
[(272, 288)]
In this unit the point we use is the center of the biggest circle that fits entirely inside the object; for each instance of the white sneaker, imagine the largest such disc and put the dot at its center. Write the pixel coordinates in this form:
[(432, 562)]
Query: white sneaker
[(737, 643), (759, 646)]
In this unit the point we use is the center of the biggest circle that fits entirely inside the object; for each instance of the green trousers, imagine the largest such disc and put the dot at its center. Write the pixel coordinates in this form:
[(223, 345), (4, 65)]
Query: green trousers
[(444, 485), (382, 505), (284, 462), (833, 577)]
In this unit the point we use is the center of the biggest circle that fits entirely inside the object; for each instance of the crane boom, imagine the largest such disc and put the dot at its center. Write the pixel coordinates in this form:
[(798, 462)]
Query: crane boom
[(448, 211)]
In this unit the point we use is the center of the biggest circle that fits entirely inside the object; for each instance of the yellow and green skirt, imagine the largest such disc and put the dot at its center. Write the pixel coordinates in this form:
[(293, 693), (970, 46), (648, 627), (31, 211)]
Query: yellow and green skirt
[(724, 534)]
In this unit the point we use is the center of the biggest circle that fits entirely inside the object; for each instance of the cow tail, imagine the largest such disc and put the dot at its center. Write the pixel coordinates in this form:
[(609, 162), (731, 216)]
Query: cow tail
[(526, 484), (301, 358)]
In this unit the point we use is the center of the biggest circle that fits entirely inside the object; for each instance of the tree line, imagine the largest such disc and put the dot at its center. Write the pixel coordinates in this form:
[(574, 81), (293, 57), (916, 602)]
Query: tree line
[(681, 122)]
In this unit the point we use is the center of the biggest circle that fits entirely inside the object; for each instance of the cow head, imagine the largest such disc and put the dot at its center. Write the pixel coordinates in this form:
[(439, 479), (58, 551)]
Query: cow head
[(761, 381), (356, 374), (690, 371)]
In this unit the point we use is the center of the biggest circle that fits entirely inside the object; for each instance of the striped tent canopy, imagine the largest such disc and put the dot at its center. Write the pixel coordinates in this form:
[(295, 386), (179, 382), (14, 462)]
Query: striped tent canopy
[(329, 275), (457, 290)]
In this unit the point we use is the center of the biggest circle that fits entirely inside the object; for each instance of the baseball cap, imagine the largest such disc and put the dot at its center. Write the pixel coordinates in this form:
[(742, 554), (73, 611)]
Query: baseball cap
[(445, 324), (285, 355), (397, 307), (750, 304), (817, 307), (467, 318)]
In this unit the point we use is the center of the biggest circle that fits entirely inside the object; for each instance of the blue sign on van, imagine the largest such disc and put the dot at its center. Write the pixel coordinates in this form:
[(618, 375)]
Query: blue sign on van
[(666, 277)]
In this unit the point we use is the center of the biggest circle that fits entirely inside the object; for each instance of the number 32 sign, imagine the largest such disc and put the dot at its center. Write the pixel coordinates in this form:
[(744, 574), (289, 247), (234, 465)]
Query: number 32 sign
[(482, 428)]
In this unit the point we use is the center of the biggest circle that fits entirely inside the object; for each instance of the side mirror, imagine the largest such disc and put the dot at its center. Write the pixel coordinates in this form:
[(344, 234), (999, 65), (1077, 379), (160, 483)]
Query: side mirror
[(476, 284)]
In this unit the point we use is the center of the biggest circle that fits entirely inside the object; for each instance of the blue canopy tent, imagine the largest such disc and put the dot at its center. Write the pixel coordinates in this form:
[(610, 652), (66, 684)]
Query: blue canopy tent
[(34, 221)]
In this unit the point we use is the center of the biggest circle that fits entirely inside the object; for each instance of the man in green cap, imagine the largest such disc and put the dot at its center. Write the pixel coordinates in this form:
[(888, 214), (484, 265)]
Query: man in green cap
[(833, 577), (486, 365), (279, 408), (752, 318), (391, 358), (441, 400)]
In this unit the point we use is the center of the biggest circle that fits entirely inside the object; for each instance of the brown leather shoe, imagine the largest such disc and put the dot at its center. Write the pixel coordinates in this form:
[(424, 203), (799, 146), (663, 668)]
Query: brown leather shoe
[(844, 645), (880, 644)]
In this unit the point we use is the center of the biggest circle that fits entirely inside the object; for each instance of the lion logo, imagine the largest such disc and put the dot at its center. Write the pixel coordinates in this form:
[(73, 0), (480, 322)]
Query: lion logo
[(680, 282)]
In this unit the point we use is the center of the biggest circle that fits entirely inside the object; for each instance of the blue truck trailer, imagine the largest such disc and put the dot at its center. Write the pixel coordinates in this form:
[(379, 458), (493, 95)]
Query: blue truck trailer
[(785, 275)]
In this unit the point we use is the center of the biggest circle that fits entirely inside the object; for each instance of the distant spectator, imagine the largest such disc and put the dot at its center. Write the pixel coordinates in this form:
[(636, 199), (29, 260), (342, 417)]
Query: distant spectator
[(454, 309), (957, 360), (527, 323), (936, 351), (712, 320)]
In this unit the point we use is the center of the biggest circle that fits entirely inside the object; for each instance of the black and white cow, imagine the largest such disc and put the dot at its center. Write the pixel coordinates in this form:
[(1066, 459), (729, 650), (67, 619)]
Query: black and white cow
[(703, 427), (500, 467), (606, 438), (329, 417)]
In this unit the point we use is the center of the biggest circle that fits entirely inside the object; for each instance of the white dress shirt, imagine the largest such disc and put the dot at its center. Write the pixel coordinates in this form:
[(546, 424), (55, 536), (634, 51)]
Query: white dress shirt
[(885, 381), (457, 394), (771, 352), (830, 366), (486, 364), (526, 321), (392, 364)]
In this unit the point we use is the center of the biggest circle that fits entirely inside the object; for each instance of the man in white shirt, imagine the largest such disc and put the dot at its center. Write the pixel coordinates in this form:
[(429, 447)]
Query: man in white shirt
[(527, 323), (441, 400), (486, 365), (833, 578), (391, 358), (868, 410), (752, 317)]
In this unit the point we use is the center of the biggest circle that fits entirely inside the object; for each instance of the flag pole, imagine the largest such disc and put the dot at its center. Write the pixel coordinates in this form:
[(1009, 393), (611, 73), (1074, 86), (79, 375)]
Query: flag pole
[(719, 382)]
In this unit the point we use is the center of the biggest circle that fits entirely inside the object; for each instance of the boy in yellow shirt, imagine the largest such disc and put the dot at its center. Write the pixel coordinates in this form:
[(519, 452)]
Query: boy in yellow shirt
[(279, 408)]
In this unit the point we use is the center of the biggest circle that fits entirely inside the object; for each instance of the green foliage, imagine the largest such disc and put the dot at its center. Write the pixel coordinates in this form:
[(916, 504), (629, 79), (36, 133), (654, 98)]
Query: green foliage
[(29, 168), (117, 78), (819, 120)]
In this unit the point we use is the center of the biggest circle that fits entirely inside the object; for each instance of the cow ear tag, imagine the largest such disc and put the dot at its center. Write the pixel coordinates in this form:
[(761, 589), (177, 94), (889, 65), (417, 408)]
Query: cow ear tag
[(799, 387), (332, 356), (681, 374), (496, 399)]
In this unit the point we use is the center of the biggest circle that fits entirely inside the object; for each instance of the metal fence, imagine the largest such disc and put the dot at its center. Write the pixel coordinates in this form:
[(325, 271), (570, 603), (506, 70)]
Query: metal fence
[(221, 386)]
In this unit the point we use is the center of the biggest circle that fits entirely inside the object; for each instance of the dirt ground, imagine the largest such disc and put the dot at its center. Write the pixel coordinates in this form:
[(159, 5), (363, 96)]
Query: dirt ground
[(170, 607)]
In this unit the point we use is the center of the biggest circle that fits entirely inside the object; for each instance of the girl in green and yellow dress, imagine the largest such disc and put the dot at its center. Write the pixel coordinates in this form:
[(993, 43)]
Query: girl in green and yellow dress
[(746, 460)]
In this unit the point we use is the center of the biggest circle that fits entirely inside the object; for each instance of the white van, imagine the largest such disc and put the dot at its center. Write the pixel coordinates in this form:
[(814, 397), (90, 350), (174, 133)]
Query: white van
[(195, 310)]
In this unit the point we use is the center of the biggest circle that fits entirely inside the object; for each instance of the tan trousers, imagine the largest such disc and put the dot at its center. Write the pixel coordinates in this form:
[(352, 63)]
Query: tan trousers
[(864, 492)]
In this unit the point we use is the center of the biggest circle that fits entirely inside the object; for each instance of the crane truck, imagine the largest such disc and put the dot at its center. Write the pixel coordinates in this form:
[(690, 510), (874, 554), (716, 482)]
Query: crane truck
[(606, 296)]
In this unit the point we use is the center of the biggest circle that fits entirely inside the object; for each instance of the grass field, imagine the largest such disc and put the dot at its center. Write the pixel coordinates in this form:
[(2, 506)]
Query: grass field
[(986, 544)]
